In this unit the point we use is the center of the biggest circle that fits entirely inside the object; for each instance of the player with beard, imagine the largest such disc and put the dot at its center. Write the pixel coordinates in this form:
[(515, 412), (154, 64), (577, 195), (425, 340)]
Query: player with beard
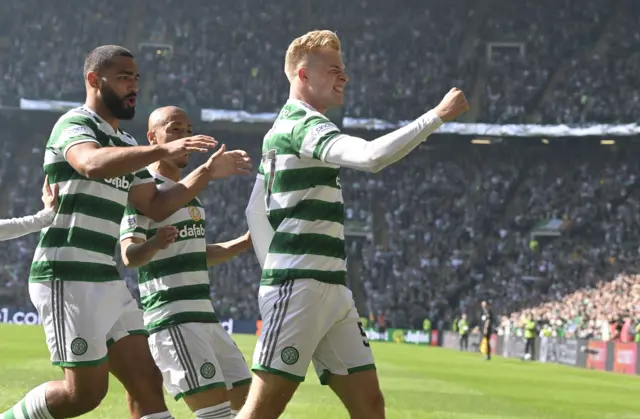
[(92, 324), (199, 361)]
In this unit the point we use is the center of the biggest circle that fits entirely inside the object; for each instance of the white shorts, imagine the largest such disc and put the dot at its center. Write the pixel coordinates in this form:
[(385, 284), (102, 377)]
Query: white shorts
[(81, 319), (194, 357), (306, 320)]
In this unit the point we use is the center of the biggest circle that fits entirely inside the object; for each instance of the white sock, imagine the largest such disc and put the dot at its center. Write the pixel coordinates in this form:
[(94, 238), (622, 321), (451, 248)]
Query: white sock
[(161, 415), (34, 404), (234, 413), (221, 411)]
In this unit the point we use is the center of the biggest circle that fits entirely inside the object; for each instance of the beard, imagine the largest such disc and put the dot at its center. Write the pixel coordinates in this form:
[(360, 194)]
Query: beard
[(116, 104)]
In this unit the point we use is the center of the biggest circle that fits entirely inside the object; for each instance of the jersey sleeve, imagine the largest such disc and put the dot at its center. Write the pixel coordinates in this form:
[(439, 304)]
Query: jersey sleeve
[(141, 177), (74, 130), (134, 224), (313, 136)]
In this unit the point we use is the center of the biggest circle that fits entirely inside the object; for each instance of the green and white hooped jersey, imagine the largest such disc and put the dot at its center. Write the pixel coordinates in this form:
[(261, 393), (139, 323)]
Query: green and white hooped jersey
[(303, 199), (80, 243), (174, 286)]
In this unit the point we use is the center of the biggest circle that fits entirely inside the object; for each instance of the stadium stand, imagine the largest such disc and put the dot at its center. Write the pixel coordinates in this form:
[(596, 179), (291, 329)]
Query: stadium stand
[(548, 230)]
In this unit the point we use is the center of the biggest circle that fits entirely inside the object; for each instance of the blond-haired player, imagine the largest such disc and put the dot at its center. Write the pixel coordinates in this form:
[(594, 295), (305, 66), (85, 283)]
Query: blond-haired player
[(296, 216)]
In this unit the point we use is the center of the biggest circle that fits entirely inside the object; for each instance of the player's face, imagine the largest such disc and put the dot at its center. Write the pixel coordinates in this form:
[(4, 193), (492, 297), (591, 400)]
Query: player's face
[(327, 77), (119, 87), (178, 126)]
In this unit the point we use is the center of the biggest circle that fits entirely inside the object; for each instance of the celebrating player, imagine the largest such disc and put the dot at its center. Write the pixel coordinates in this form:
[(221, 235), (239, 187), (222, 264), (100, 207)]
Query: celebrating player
[(197, 358), (296, 218), (92, 324), (16, 227)]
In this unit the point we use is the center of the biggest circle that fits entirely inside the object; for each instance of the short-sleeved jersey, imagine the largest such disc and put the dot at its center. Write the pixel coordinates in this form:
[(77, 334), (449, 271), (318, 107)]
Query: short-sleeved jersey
[(174, 285), (303, 199), (80, 243)]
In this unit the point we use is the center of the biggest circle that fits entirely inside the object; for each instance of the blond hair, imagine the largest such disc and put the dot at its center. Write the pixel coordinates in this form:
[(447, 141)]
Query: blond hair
[(302, 46)]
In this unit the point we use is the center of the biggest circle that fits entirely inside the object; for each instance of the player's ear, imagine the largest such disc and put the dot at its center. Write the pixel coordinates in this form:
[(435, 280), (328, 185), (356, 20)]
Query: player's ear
[(151, 137), (302, 74), (93, 79)]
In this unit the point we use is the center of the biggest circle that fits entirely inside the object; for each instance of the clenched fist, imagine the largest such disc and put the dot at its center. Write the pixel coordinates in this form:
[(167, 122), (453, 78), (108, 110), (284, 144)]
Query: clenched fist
[(452, 105), (165, 236)]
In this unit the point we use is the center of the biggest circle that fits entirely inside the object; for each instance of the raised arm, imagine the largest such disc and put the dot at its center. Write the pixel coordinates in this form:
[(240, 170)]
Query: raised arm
[(159, 203), (373, 156)]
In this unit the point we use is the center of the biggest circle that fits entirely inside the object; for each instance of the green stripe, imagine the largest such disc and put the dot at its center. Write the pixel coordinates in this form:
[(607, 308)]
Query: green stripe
[(193, 391), (307, 244), (190, 262), (91, 205), (307, 178), (309, 210), (143, 174), (25, 413), (281, 143), (188, 292), (9, 414), (322, 143), (79, 238), (61, 172), (138, 230), (181, 318), (241, 383), (73, 271), (277, 276)]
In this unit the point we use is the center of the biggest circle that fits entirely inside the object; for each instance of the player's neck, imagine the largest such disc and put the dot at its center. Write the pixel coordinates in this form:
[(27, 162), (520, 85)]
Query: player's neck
[(167, 170), (301, 96), (98, 107)]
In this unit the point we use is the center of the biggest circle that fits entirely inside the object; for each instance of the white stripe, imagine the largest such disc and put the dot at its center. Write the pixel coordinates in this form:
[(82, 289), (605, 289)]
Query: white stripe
[(88, 222), (321, 193), (50, 157), (322, 263), (199, 306), (76, 142), (96, 189), (182, 248), (327, 228), (71, 254), (17, 411), (173, 281), (291, 161), (179, 216), (140, 236), (282, 126)]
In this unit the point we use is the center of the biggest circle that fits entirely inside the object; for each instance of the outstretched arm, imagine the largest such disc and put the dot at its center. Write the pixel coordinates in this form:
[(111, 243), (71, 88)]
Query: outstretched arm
[(373, 156), (160, 203), (17, 227), (221, 252)]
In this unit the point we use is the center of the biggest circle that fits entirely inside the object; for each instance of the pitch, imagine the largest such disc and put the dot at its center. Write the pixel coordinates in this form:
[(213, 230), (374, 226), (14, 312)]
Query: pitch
[(418, 382)]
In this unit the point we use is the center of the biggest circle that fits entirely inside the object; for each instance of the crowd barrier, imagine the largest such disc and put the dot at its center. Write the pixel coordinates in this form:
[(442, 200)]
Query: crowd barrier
[(618, 357)]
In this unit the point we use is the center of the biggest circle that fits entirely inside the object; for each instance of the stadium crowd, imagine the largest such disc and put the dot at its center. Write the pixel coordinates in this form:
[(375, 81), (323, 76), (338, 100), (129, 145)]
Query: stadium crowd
[(230, 56), (448, 227)]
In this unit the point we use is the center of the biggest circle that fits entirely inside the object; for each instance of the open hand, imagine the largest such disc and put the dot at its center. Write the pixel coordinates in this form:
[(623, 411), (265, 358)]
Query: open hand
[(165, 236), (225, 163), (195, 144)]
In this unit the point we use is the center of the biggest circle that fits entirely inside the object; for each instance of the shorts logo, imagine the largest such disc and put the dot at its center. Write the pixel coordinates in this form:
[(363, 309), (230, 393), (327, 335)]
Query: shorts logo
[(79, 346), (195, 214), (208, 370), (289, 355)]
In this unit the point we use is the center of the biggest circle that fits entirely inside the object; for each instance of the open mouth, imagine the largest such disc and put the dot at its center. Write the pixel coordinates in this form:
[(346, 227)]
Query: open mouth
[(131, 101), (338, 89)]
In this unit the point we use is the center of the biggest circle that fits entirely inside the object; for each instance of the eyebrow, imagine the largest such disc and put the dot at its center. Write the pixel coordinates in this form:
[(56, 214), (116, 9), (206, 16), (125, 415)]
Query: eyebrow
[(129, 73)]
